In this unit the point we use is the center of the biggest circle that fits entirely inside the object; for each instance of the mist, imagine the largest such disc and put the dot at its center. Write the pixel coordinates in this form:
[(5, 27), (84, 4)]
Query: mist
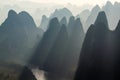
[(59, 40)]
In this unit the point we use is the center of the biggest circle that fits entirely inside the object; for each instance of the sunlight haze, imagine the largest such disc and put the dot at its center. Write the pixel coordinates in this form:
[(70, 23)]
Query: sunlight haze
[(75, 2)]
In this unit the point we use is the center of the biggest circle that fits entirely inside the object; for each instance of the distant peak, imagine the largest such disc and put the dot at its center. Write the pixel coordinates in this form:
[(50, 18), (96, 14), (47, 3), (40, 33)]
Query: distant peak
[(56, 10), (116, 3), (44, 16), (63, 21), (78, 22), (72, 17), (65, 9), (54, 24), (26, 19), (54, 20), (24, 13), (101, 13), (78, 19), (11, 13), (108, 3), (101, 18), (96, 8)]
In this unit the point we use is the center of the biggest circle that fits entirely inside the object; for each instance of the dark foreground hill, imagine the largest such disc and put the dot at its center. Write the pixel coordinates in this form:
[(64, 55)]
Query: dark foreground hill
[(99, 57)]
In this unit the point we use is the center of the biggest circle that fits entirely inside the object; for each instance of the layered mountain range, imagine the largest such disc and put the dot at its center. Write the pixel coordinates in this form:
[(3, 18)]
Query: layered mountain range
[(99, 57), (64, 46)]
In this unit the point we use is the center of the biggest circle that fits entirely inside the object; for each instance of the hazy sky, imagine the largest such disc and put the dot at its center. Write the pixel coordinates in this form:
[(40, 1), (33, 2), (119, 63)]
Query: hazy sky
[(76, 2), (75, 6)]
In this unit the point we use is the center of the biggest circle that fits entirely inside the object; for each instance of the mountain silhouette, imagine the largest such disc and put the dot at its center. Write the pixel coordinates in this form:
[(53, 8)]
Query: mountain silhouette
[(73, 48), (44, 23), (57, 52), (112, 13), (60, 13), (19, 36), (101, 18), (63, 21), (91, 63), (71, 25), (55, 60), (46, 43), (63, 46), (84, 16), (92, 17), (62, 59)]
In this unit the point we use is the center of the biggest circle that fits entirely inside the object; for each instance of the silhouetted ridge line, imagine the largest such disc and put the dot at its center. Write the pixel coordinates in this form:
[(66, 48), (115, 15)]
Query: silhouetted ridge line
[(19, 37), (46, 43), (101, 18), (63, 21), (54, 61), (11, 13), (71, 25), (26, 19), (92, 17), (94, 52)]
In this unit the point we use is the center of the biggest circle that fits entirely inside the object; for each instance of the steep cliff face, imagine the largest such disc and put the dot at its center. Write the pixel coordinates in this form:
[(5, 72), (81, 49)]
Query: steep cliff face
[(46, 43), (94, 57)]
